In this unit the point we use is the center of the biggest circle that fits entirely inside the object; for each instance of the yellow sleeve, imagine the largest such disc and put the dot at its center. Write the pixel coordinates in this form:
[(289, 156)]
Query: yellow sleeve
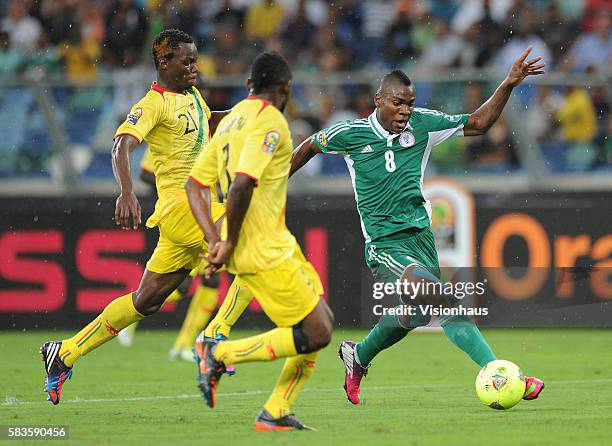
[(261, 144), (145, 115), (147, 162), (204, 170)]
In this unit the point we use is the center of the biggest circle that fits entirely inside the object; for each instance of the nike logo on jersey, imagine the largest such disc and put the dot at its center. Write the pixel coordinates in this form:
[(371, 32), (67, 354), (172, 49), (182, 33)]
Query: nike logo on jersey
[(367, 149)]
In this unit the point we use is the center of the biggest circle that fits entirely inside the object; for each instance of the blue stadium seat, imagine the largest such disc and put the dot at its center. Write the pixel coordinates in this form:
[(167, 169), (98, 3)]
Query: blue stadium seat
[(555, 154), (333, 165), (15, 105), (100, 167)]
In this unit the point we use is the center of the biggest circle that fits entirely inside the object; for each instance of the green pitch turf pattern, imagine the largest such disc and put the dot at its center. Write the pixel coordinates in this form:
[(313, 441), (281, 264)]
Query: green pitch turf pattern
[(418, 393)]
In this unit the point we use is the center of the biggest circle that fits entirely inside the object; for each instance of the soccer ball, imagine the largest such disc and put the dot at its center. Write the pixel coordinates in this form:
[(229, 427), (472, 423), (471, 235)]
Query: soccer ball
[(500, 384)]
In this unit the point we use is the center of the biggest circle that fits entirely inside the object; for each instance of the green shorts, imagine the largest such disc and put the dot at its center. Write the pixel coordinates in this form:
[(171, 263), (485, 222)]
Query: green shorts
[(389, 257)]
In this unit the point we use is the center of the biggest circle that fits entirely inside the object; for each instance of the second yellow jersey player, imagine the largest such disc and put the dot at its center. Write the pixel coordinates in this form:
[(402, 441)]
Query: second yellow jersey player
[(249, 156), (254, 140)]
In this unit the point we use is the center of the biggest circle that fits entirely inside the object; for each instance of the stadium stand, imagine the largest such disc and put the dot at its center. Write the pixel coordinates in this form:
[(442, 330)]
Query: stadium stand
[(91, 57)]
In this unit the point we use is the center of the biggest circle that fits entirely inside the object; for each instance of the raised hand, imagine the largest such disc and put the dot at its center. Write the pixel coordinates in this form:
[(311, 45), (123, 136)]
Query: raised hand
[(523, 68)]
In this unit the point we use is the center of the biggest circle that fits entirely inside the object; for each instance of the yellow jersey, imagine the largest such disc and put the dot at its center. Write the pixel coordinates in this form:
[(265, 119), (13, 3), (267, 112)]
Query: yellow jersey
[(176, 127), (146, 163), (254, 140)]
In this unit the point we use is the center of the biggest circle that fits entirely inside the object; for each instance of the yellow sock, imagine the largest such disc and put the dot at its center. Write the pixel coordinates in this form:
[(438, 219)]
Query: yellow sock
[(296, 371), (273, 344), (115, 317), (236, 300), (202, 304), (175, 296)]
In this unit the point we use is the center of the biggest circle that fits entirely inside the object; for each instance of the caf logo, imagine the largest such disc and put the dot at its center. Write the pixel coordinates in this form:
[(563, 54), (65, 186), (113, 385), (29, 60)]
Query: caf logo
[(406, 139)]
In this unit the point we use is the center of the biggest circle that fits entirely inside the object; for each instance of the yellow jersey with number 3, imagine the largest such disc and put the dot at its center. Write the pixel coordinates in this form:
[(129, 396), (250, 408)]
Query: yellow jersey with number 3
[(253, 140), (176, 127)]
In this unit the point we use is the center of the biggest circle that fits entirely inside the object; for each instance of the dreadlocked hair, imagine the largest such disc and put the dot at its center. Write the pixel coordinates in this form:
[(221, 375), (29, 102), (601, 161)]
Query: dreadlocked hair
[(166, 42)]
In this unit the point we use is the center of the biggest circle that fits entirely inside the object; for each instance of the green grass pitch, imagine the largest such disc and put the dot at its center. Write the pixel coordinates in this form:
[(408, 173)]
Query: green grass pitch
[(419, 392)]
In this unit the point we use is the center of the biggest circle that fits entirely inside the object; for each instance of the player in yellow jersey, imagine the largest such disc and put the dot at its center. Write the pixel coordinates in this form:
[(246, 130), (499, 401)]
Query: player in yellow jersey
[(202, 304), (174, 120), (249, 156)]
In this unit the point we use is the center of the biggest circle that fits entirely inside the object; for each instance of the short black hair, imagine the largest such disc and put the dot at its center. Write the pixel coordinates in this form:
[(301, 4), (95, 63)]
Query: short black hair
[(166, 42), (269, 70), (395, 75)]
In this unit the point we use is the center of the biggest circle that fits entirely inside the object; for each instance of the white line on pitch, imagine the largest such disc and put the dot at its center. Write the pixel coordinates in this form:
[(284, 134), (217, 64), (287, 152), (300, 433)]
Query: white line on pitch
[(11, 401)]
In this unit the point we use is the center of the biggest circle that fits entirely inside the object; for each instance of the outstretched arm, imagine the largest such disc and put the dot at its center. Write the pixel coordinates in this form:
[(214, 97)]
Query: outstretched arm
[(302, 155), (487, 114)]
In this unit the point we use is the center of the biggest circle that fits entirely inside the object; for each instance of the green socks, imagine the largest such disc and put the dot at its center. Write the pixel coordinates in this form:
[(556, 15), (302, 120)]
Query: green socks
[(464, 334), (387, 332), (460, 330)]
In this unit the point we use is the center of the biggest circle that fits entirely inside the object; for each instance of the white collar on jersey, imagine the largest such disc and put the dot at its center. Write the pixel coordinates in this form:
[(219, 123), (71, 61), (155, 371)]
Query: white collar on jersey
[(380, 131)]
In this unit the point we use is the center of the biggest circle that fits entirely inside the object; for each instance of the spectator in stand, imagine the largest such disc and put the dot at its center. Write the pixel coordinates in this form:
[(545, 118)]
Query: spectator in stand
[(556, 30), (299, 33), (264, 20), (23, 29), (228, 16), (476, 50), (330, 56), (126, 29), (377, 16), (593, 49), (398, 46), (423, 34), (300, 131), (56, 18), (592, 9), (11, 59), (474, 96), (577, 117), (446, 49), (348, 16), (540, 119), (493, 151), (334, 107), (228, 43), (522, 34), (444, 9), (486, 35), (362, 102), (82, 51), (476, 11)]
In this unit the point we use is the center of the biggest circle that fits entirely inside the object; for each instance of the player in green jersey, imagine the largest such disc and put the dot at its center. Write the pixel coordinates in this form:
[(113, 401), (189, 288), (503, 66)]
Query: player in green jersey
[(386, 155)]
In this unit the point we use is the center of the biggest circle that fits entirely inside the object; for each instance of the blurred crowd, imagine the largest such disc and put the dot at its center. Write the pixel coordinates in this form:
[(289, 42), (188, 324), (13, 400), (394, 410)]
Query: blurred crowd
[(84, 40)]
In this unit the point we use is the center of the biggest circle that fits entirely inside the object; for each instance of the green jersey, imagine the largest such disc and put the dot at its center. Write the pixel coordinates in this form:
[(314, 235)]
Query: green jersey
[(387, 169)]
